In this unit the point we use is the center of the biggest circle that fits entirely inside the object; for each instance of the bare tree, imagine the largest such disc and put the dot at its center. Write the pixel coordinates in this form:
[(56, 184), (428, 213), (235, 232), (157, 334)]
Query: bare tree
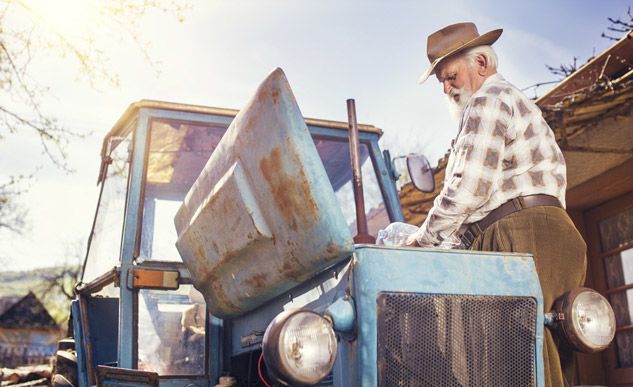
[(619, 26), (12, 214), (25, 35), (564, 70), (61, 280), (56, 284)]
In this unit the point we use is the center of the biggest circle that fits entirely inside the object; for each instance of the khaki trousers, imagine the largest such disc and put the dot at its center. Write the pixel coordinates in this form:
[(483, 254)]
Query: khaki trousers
[(560, 257)]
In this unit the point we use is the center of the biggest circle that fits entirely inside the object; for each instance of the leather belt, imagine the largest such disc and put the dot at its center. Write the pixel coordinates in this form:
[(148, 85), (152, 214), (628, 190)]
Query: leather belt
[(473, 230)]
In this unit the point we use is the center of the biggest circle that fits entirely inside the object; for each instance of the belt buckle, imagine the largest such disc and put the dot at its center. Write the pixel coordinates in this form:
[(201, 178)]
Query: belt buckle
[(467, 237)]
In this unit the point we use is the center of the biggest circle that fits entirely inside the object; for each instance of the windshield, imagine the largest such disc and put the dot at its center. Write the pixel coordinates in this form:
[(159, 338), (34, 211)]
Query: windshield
[(105, 239), (177, 153), (336, 159), (171, 331), (179, 150)]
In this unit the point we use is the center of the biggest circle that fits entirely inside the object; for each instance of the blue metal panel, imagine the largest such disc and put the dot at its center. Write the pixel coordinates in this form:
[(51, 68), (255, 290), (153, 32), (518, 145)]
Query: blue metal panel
[(342, 312), (82, 362), (215, 344), (346, 365), (103, 317), (127, 357), (436, 271)]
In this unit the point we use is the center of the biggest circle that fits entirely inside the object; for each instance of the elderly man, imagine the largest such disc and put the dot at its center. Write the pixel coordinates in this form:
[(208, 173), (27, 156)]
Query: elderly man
[(505, 181)]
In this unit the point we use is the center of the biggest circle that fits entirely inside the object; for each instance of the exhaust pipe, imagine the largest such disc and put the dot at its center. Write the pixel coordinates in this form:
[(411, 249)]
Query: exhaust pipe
[(362, 235)]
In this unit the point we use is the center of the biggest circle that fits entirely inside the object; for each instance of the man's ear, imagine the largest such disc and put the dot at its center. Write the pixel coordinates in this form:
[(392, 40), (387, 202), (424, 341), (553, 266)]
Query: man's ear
[(482, 64)]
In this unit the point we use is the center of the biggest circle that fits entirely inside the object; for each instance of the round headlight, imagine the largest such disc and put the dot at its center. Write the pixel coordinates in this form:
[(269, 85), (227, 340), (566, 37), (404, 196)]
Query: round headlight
[(299, 347), (586, 320)]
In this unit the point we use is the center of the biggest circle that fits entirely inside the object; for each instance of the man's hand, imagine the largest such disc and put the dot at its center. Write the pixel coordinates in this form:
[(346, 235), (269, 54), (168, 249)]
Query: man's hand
[(411, 241)]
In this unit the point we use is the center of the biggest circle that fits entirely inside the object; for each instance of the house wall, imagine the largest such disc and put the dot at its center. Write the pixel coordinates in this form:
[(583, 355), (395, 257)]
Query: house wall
[(27, 346), (612, 133), (589, 201)]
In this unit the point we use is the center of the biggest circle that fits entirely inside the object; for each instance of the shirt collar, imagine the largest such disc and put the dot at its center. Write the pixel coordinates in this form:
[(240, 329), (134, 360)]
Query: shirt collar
[(496, 77)]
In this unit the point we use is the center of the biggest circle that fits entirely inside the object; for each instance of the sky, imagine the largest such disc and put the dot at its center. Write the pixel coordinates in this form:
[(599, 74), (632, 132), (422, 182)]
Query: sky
[(331, 50)]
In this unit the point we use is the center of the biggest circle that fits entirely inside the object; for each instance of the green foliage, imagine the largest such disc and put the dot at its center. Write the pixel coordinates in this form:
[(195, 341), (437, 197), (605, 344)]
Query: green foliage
[(19, 283)]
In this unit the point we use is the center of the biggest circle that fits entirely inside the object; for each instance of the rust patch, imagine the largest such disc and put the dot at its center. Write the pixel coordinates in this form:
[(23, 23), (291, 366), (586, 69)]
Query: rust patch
[(285, 267), (266, 94), (331, 251), (275, 96), (290, 267), (199, 253), (228, 256), (223, 301), (291, 193), (263, 95), (257, 281)]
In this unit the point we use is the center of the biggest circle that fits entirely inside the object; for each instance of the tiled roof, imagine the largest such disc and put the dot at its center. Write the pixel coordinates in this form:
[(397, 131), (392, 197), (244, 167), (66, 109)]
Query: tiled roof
[(25, 312)]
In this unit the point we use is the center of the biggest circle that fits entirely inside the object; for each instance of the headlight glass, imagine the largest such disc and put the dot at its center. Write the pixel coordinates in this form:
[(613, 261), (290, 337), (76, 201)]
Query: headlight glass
[(308, 346), (300, 347), (584, 319), (594, 319)]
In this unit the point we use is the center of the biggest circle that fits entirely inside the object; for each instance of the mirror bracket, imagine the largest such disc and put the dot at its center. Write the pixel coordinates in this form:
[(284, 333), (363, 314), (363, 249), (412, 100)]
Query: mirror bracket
[(389, 163)]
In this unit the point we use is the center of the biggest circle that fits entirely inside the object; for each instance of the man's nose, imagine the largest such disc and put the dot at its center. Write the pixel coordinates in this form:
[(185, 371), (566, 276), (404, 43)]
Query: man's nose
[(447, 87)]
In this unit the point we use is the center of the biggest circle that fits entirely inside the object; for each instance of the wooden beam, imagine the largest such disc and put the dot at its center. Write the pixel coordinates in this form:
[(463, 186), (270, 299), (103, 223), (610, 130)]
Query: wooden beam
[(608, 185)]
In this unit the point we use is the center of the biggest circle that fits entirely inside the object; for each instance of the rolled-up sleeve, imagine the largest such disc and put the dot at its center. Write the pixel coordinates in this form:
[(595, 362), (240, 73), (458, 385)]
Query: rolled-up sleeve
[(475, 166)]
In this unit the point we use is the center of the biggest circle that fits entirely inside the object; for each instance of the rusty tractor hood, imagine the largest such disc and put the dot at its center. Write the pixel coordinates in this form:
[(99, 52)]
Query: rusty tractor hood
[(262, 216)]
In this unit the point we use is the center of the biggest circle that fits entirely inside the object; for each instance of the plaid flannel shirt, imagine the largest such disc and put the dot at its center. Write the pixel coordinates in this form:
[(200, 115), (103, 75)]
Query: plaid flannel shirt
[(504, 149)]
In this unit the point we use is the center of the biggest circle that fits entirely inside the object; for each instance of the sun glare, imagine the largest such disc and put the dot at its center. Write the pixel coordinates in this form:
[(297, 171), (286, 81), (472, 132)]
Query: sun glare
[(66, 17)]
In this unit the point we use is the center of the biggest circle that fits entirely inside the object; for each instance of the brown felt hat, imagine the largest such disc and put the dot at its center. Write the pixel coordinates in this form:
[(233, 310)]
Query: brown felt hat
[(452, 39)]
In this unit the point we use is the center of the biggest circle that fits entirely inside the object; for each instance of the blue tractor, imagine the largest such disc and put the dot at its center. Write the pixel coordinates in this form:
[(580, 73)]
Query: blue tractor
[(222, 254)]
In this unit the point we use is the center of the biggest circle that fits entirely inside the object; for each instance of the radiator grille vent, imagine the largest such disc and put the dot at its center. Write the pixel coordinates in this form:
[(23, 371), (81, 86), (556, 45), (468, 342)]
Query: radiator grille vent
[(456, 340)]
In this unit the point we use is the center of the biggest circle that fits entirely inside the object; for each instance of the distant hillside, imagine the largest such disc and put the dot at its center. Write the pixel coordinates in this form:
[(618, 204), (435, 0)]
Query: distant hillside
[(19, 283)]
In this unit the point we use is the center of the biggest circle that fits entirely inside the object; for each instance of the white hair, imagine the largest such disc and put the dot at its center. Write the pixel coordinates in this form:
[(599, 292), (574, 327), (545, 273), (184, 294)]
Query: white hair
[(472, 53)]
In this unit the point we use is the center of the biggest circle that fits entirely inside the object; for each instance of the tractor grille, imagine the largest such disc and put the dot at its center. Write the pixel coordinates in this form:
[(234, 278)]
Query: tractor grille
[(456, 340)]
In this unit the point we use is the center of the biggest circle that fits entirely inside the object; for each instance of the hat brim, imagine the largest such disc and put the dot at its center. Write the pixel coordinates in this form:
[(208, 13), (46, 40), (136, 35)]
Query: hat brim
[(486, 39)]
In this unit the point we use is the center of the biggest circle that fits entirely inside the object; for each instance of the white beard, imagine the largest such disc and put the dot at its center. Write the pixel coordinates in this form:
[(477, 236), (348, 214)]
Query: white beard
[(456, 108)]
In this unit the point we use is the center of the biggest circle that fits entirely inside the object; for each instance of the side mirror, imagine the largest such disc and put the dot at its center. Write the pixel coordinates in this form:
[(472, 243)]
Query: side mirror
[(421, 173)]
